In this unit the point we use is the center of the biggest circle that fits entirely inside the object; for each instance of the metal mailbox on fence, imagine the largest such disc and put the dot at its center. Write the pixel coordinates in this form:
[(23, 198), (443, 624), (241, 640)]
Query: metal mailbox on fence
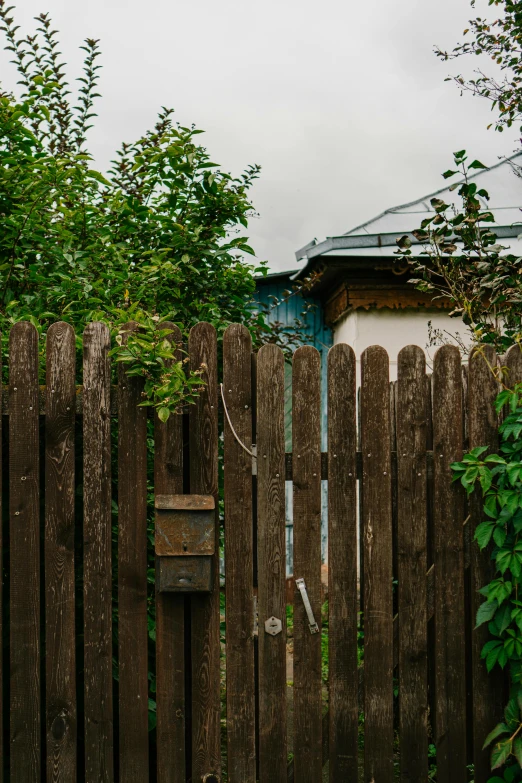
[(185, 542)]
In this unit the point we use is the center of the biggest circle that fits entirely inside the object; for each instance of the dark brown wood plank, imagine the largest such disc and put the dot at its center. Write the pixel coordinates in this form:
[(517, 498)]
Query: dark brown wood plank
[(60, 658), (342, 565), (239, 594), (306, 438), (514, 366), (411, 421), (487, 689), (2, 609), (97, 560), (271, 559), (377, 549), (24, 502), (132, 577), (448, 519), (203, 458), (170, 610)]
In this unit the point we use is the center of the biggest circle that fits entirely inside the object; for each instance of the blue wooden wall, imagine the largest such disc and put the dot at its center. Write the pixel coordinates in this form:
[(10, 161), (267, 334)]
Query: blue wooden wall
[(319, 335)]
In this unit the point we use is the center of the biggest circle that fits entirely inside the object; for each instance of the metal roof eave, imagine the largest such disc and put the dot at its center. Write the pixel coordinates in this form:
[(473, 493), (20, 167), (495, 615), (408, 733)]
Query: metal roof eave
[(347, 242)]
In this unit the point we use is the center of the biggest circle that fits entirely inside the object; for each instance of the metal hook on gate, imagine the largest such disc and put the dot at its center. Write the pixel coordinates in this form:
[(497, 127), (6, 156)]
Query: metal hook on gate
[(300, 584)]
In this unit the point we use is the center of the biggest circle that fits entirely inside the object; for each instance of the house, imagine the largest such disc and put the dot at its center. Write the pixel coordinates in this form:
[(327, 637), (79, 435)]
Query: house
[(359, 291), (363, 287)]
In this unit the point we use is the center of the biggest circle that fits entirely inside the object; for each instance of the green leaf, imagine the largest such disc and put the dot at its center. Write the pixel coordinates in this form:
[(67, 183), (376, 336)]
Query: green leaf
[(512, 715), (499, 729), (483, 533), (517, 750), (476, 164), (486, 612), (500, 753), (163, 414)]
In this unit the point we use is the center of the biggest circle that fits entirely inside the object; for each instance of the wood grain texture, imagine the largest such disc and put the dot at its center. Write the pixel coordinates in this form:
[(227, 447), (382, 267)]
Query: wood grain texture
[(271, 561), (487, 689), (24, 502), (2, 611), (342, 565), (448, 519), (377, 546), (170, 610), (411, 422), (306, 438), (239, 613), (514, 365), (97, 564), (132, 577), (60, 659), (203, 448)]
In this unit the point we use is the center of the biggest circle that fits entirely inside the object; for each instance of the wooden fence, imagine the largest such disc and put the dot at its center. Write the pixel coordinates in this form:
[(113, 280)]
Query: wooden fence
[(79, 662)]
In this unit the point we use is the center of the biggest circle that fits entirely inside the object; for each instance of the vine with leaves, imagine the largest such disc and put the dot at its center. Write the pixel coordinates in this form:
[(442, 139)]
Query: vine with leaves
[(499, 477)]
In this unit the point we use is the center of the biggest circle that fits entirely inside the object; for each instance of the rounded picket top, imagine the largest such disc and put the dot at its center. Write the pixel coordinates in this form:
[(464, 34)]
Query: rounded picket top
[(375, 354), (237, 338), (482, 362), (447, 358), (23, 347), (341, 351), (513, 362), (270, 352), (60, 330), (202, 330), (61, 356), (411, 361), (306, 354), (341, 370), (375, 365), (23, 331), (96, 333)]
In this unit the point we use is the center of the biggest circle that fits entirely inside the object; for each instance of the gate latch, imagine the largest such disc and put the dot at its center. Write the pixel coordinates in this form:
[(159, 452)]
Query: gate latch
[(273, 626), (300, 584)]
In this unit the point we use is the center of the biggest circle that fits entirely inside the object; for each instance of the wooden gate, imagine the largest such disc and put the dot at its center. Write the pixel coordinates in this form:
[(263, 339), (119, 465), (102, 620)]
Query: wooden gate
[(104, 678)]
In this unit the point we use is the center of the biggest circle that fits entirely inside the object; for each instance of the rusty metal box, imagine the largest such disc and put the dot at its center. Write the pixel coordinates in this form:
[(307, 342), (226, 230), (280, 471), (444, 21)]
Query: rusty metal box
[(185, 525), (191, 574), (185, 541)]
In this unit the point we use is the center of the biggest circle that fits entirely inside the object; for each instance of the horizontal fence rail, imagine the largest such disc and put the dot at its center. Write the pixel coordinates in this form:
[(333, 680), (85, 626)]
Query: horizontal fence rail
[(347, 670)]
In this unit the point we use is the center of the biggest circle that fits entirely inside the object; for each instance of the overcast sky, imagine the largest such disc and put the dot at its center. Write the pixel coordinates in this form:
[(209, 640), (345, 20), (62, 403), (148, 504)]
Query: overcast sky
[(342, 103)]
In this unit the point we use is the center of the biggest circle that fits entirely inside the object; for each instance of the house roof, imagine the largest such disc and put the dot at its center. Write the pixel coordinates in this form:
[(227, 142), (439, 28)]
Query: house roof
[(377, 238)]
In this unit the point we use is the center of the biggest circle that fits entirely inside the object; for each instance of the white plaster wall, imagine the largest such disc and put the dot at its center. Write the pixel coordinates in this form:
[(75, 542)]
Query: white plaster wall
[(393, 329)]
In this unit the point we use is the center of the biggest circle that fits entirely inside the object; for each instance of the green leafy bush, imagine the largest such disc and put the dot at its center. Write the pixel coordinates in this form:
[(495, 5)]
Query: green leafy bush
[(158, 236)]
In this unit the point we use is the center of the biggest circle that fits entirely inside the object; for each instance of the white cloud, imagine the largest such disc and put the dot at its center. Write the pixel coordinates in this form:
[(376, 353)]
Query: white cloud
[(343, 104)]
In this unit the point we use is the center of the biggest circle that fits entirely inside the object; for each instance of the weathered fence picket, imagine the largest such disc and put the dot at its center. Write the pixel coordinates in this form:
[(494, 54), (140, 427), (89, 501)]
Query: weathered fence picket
[(412, 563), (306, 444), (97, 556), (377, 532), (170, 610), (24, 502), (448, 518), (342, 566), (60, 636), (271, 558), (397, 532), (239, 611), (205, 640), (132, 578)]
